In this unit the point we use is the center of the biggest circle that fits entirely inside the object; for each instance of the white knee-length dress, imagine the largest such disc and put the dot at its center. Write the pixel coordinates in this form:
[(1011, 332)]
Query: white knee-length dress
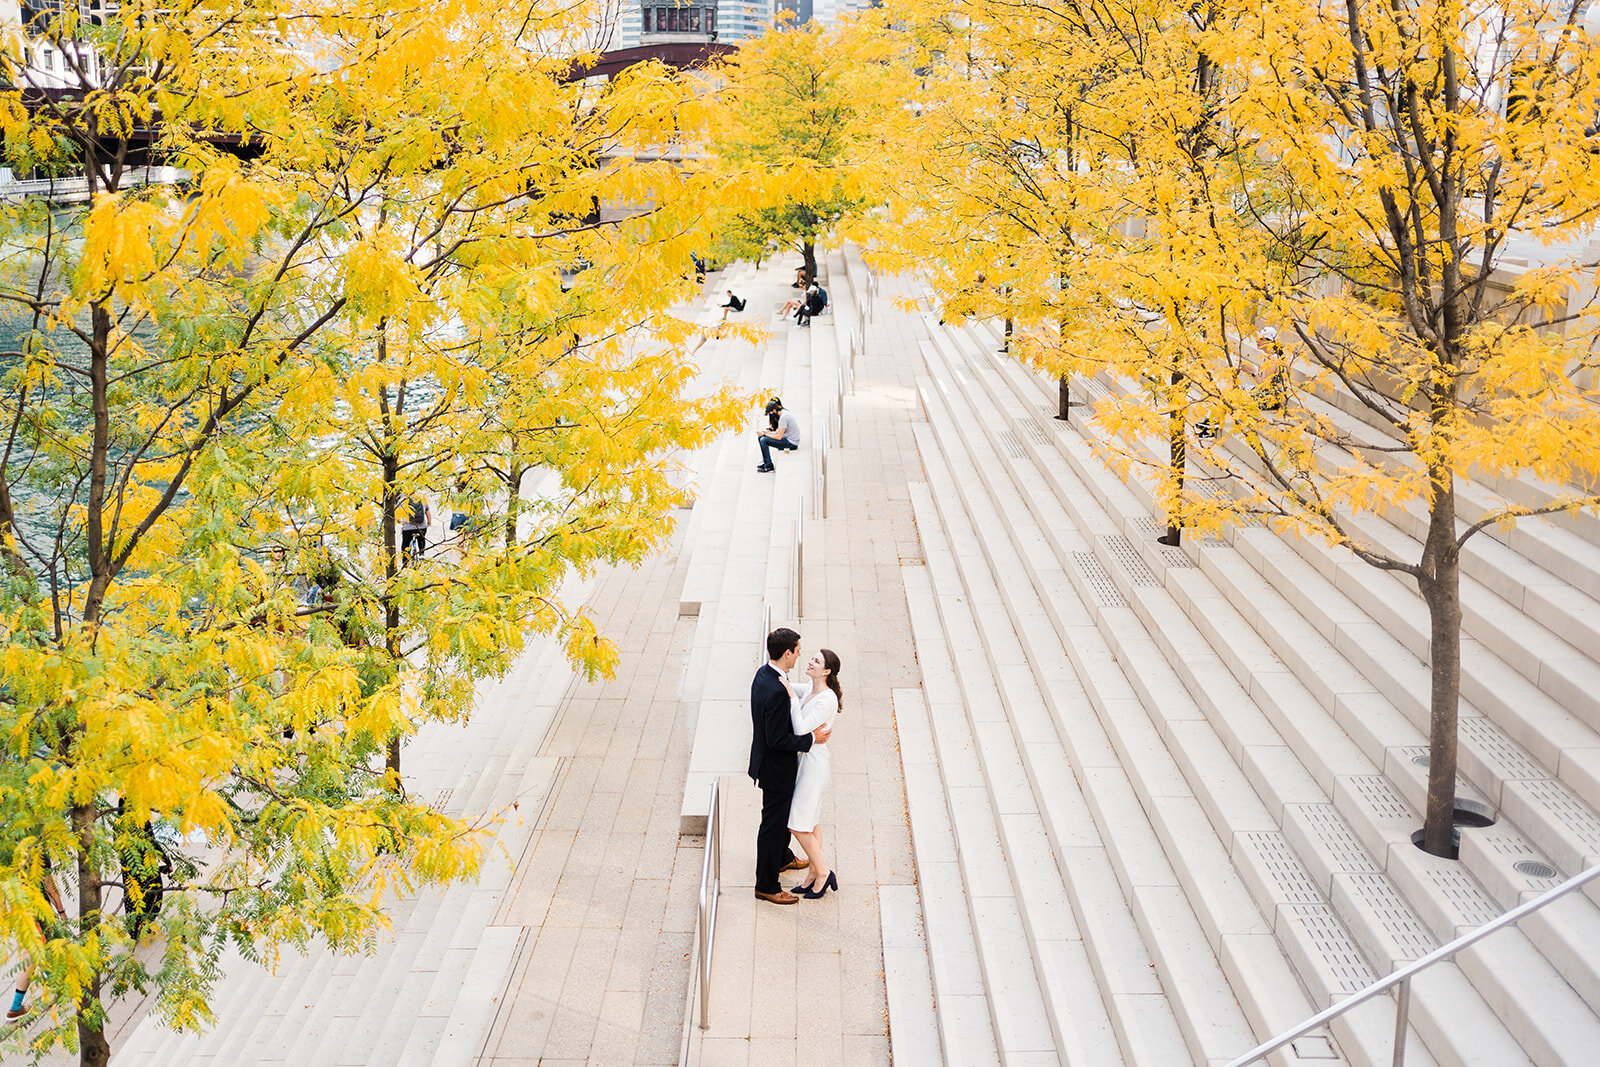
[(805, 811)]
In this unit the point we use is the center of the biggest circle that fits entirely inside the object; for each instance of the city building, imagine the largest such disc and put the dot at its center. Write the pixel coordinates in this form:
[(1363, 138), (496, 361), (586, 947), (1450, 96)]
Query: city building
[(681, 21)]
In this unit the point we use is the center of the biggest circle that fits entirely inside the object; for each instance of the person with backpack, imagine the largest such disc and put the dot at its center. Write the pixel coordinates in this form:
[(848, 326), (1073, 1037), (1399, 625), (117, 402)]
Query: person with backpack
[(415, 518), (733, 303), (813, 304)]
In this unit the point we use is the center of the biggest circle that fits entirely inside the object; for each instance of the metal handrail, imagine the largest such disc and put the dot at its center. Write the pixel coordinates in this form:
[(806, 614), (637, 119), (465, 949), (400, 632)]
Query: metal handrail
[(710, 890), (1402, 977), (797, 587), (766, 628)]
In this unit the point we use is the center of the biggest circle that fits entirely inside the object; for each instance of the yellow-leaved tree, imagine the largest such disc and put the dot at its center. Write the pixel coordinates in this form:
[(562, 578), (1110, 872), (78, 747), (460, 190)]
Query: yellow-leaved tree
[(787, 136), (391, 275), (1352, 182)]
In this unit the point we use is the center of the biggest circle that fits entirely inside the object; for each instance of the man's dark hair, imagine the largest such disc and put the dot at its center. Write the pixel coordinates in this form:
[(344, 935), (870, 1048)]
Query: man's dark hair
[(781, 641)]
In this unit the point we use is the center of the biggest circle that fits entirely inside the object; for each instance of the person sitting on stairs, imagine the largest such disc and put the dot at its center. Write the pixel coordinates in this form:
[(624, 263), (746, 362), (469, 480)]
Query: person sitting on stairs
[(782, 433)]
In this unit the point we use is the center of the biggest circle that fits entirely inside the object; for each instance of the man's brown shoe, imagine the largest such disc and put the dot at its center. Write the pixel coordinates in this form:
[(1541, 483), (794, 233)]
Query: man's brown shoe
[(782, 896), (796, 864)]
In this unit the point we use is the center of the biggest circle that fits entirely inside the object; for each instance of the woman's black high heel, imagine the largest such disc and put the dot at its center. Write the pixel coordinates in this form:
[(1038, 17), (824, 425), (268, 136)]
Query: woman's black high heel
[(828, 883)]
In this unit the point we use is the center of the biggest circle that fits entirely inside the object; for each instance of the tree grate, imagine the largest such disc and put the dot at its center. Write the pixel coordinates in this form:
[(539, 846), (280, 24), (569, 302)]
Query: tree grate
[(1012, 446), (1335, 835), (1099, 582), (1128, 559)]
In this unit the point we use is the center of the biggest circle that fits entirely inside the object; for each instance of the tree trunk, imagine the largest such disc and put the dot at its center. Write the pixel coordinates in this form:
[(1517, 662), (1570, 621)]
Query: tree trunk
[(1177, 459), (391, 605), (93, 1048), (1063, 392), (808, 248), (1440, 584), (513, 504)]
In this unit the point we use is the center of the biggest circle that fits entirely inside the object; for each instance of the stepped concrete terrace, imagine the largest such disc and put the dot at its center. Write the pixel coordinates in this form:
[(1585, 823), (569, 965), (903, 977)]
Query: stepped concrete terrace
[(1096, 800), (1293, 713)]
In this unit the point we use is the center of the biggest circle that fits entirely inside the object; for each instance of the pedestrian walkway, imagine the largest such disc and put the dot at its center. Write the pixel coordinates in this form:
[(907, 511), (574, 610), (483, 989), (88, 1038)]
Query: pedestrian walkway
[(806, 983), (577, 947)]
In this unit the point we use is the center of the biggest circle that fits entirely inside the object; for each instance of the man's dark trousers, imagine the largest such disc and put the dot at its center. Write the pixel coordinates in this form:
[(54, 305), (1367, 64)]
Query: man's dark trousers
[(767, 443), (774, 761), (772, 840)]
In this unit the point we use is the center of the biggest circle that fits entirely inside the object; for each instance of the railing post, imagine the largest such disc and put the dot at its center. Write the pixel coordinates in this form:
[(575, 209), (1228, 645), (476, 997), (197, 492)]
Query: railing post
[(710, 890), (797, 583), (1402, 1011)]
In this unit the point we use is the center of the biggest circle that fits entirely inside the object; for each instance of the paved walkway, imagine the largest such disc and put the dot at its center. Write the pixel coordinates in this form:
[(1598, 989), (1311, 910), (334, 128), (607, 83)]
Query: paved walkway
[(607, 887), (805, 984)]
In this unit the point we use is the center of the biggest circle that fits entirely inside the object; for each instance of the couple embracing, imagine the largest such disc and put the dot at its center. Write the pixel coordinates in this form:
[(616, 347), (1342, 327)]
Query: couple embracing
[(789, 760)]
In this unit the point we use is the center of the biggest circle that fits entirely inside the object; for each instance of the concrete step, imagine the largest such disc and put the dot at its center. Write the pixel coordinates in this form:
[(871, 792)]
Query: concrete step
[(1021, 1011), (1256, 965), (960, 1003), (1112, 869), (908, 981), (1529, 1028), (1504, 742)]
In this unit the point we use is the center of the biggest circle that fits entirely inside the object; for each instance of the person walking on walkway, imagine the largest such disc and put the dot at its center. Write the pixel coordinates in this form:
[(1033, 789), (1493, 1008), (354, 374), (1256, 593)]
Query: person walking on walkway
[(815, 707), (782, 433), (415, 518), (774, 762), (47, 884)]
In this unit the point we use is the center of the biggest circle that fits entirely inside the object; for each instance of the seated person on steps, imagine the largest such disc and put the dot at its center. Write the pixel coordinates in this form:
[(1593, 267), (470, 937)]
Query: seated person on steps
[(782, 432), (815, 301)]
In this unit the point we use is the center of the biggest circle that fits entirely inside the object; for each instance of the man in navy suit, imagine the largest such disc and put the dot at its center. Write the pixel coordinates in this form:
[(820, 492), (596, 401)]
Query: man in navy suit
[(774, 760)]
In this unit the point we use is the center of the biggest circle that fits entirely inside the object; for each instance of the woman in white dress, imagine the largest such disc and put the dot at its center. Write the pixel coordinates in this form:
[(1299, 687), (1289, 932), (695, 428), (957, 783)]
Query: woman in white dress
[(808, 711)]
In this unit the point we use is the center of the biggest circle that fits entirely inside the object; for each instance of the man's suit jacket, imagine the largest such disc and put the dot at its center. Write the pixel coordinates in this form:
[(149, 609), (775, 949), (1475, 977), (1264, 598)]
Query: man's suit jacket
[(774, 746)]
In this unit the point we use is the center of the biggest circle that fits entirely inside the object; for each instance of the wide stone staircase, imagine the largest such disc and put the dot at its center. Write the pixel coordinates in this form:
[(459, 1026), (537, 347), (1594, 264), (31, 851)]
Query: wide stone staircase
[(1163, 798)]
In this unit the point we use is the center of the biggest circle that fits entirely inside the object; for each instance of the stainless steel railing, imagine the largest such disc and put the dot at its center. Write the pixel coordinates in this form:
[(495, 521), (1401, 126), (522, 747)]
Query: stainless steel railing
[(710, 890), (1402, 977)]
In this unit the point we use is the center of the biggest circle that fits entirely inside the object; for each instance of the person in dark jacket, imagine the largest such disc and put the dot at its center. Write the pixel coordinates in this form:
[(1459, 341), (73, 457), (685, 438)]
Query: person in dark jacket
[(774, 762)]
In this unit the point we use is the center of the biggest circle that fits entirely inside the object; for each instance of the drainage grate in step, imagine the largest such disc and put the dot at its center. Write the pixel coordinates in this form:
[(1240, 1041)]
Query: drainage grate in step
[(1410, 937), (1012, 446), (1032, 431), (1534, 869), (1346, 966), (1286, 872), (1376, 792), (1128, 559), (1100, 584), (1335, 835), (1471, 902), (1565, 805), (1492, 741)]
